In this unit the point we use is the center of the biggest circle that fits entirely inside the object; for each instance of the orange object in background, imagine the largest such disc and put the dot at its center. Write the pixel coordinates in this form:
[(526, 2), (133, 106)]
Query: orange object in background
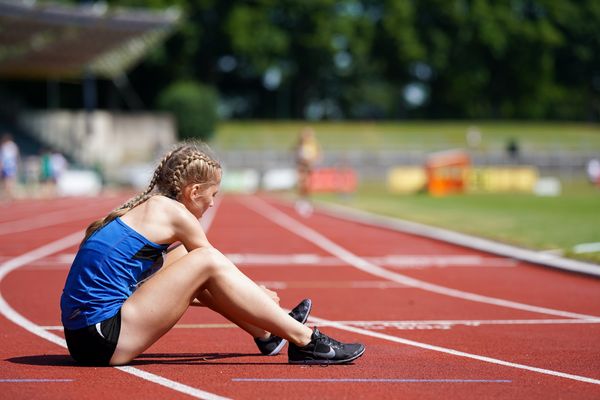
[(447, 172), (336, 180)]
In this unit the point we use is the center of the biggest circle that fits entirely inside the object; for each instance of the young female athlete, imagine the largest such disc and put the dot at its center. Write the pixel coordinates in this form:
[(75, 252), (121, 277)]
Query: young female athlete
[(119, 298), (307, 153)]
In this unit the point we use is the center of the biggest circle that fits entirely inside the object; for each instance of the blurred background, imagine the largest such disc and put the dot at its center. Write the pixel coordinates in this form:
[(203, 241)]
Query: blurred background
[(476, 115)]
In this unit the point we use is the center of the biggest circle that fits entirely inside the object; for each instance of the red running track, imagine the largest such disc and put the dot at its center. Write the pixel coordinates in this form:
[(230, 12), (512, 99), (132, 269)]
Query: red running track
[(438, 320)]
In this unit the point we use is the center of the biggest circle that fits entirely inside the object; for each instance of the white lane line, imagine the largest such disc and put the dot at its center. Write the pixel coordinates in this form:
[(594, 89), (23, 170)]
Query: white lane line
[(315, 260), (321, 241), (179, 387), (25, 259), (344, 325), (545, 258), (391, 260), (45, 220), (279, 285), (403, 324), (453, 352), (285, 221), (35, 380), (369, 380), (473, 322), (15, 317), (179, 326)]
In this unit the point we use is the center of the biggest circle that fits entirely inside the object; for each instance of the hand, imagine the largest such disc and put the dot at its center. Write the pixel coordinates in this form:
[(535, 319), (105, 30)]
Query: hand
[(273, 295)]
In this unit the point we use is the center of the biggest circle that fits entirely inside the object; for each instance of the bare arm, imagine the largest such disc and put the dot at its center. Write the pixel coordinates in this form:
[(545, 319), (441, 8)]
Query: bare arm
[(163, 220)]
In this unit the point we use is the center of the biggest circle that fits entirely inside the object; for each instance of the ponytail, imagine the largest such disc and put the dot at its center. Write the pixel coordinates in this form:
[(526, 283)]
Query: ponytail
[(99, 223), (188, 162), (131, 203)]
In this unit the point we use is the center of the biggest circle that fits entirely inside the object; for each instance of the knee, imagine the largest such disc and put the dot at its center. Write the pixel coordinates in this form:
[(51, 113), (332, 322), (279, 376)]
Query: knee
[(210, 259), (120, 360)]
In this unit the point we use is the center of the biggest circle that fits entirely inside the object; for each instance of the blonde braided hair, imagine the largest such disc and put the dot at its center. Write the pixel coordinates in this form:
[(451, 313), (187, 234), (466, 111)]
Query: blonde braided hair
[(188, 162)]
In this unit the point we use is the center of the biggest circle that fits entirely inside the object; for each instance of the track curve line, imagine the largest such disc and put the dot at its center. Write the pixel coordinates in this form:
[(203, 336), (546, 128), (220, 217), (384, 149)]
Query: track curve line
[(453, 352), (12, 315), (287, 222), (536, 257)]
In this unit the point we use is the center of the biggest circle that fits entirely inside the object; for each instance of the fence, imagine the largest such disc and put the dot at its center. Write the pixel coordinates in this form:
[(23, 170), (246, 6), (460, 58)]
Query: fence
[(373, 165)]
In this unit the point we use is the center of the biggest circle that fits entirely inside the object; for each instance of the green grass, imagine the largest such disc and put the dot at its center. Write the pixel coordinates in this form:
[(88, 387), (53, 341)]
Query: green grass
[(543, 223), (413, 135)]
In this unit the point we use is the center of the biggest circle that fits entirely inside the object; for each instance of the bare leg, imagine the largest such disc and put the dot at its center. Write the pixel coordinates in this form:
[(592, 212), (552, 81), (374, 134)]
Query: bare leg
[(206, 298), (159, 303)]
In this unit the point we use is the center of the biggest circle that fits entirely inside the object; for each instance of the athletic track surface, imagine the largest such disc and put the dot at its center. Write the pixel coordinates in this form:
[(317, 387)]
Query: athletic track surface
[(438, 320)]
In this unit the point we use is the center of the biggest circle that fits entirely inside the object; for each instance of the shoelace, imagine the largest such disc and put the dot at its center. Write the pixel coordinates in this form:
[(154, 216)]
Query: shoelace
[(328, 341)]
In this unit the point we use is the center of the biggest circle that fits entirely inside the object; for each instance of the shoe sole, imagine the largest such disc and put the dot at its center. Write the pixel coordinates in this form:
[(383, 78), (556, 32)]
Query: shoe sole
[(277, 349), (328, 362)]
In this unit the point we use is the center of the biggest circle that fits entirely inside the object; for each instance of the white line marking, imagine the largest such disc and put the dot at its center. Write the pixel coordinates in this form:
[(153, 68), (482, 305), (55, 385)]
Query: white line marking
[(370, 380), (179, 387), (283, 220), (315, 260), (45, 220), (472, 242), (179, 326), (34, 380), (15, 317), (455, 352), (279, 285), (24, 259), (447, 325), (443, 261), (402, 324), (391, 260), (474, 322)]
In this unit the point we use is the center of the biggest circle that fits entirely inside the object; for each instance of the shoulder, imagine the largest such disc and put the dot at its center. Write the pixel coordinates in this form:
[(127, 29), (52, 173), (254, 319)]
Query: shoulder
[(163, 220), (162, 201), (161, 205), (182, 225), (175, 212)]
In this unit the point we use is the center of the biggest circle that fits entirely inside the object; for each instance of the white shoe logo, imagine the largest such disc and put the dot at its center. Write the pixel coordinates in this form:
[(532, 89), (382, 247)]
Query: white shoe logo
[(329, 355)]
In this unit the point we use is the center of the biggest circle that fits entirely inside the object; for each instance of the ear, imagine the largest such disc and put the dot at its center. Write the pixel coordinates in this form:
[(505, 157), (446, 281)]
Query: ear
[(187, 192), (195, 190)]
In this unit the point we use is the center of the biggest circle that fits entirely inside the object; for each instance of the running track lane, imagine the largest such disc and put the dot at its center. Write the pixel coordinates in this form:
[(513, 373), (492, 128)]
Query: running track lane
[(222, 360)]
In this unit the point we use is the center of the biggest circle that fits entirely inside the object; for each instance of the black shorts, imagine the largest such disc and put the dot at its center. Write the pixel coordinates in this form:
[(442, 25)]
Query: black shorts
[(95, 344)]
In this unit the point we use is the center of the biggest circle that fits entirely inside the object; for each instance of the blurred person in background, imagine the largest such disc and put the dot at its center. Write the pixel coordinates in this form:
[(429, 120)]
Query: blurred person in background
[(474, 138), (512, 149), (52, 165), (59, 164), (593, 171), (9, 164), (31, 175), (46, 174), (307, 154)]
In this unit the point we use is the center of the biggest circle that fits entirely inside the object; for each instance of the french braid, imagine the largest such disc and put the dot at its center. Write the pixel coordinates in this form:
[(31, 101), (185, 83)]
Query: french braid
[(182, 172), (173, 173)]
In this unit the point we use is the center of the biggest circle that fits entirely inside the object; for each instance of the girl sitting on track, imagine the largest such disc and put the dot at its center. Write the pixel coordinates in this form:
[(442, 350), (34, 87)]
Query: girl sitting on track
[(110, 317)]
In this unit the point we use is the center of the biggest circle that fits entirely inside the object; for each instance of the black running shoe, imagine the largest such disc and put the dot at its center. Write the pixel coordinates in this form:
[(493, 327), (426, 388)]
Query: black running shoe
[(274, 344), (324, 350)]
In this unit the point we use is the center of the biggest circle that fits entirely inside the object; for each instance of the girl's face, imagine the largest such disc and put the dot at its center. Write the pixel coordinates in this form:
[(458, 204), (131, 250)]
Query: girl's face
[(201, 200)]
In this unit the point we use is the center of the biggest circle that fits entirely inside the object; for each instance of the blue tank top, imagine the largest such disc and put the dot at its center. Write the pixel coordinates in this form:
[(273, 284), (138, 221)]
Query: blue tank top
[(107, 269)]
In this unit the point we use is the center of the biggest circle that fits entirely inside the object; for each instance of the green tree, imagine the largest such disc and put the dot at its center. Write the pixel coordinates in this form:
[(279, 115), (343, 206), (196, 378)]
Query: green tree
[(194, 107), (356, 58)]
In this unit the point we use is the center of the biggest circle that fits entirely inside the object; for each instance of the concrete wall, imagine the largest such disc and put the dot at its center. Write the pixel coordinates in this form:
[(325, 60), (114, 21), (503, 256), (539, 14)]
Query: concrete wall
[(103, 139)]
